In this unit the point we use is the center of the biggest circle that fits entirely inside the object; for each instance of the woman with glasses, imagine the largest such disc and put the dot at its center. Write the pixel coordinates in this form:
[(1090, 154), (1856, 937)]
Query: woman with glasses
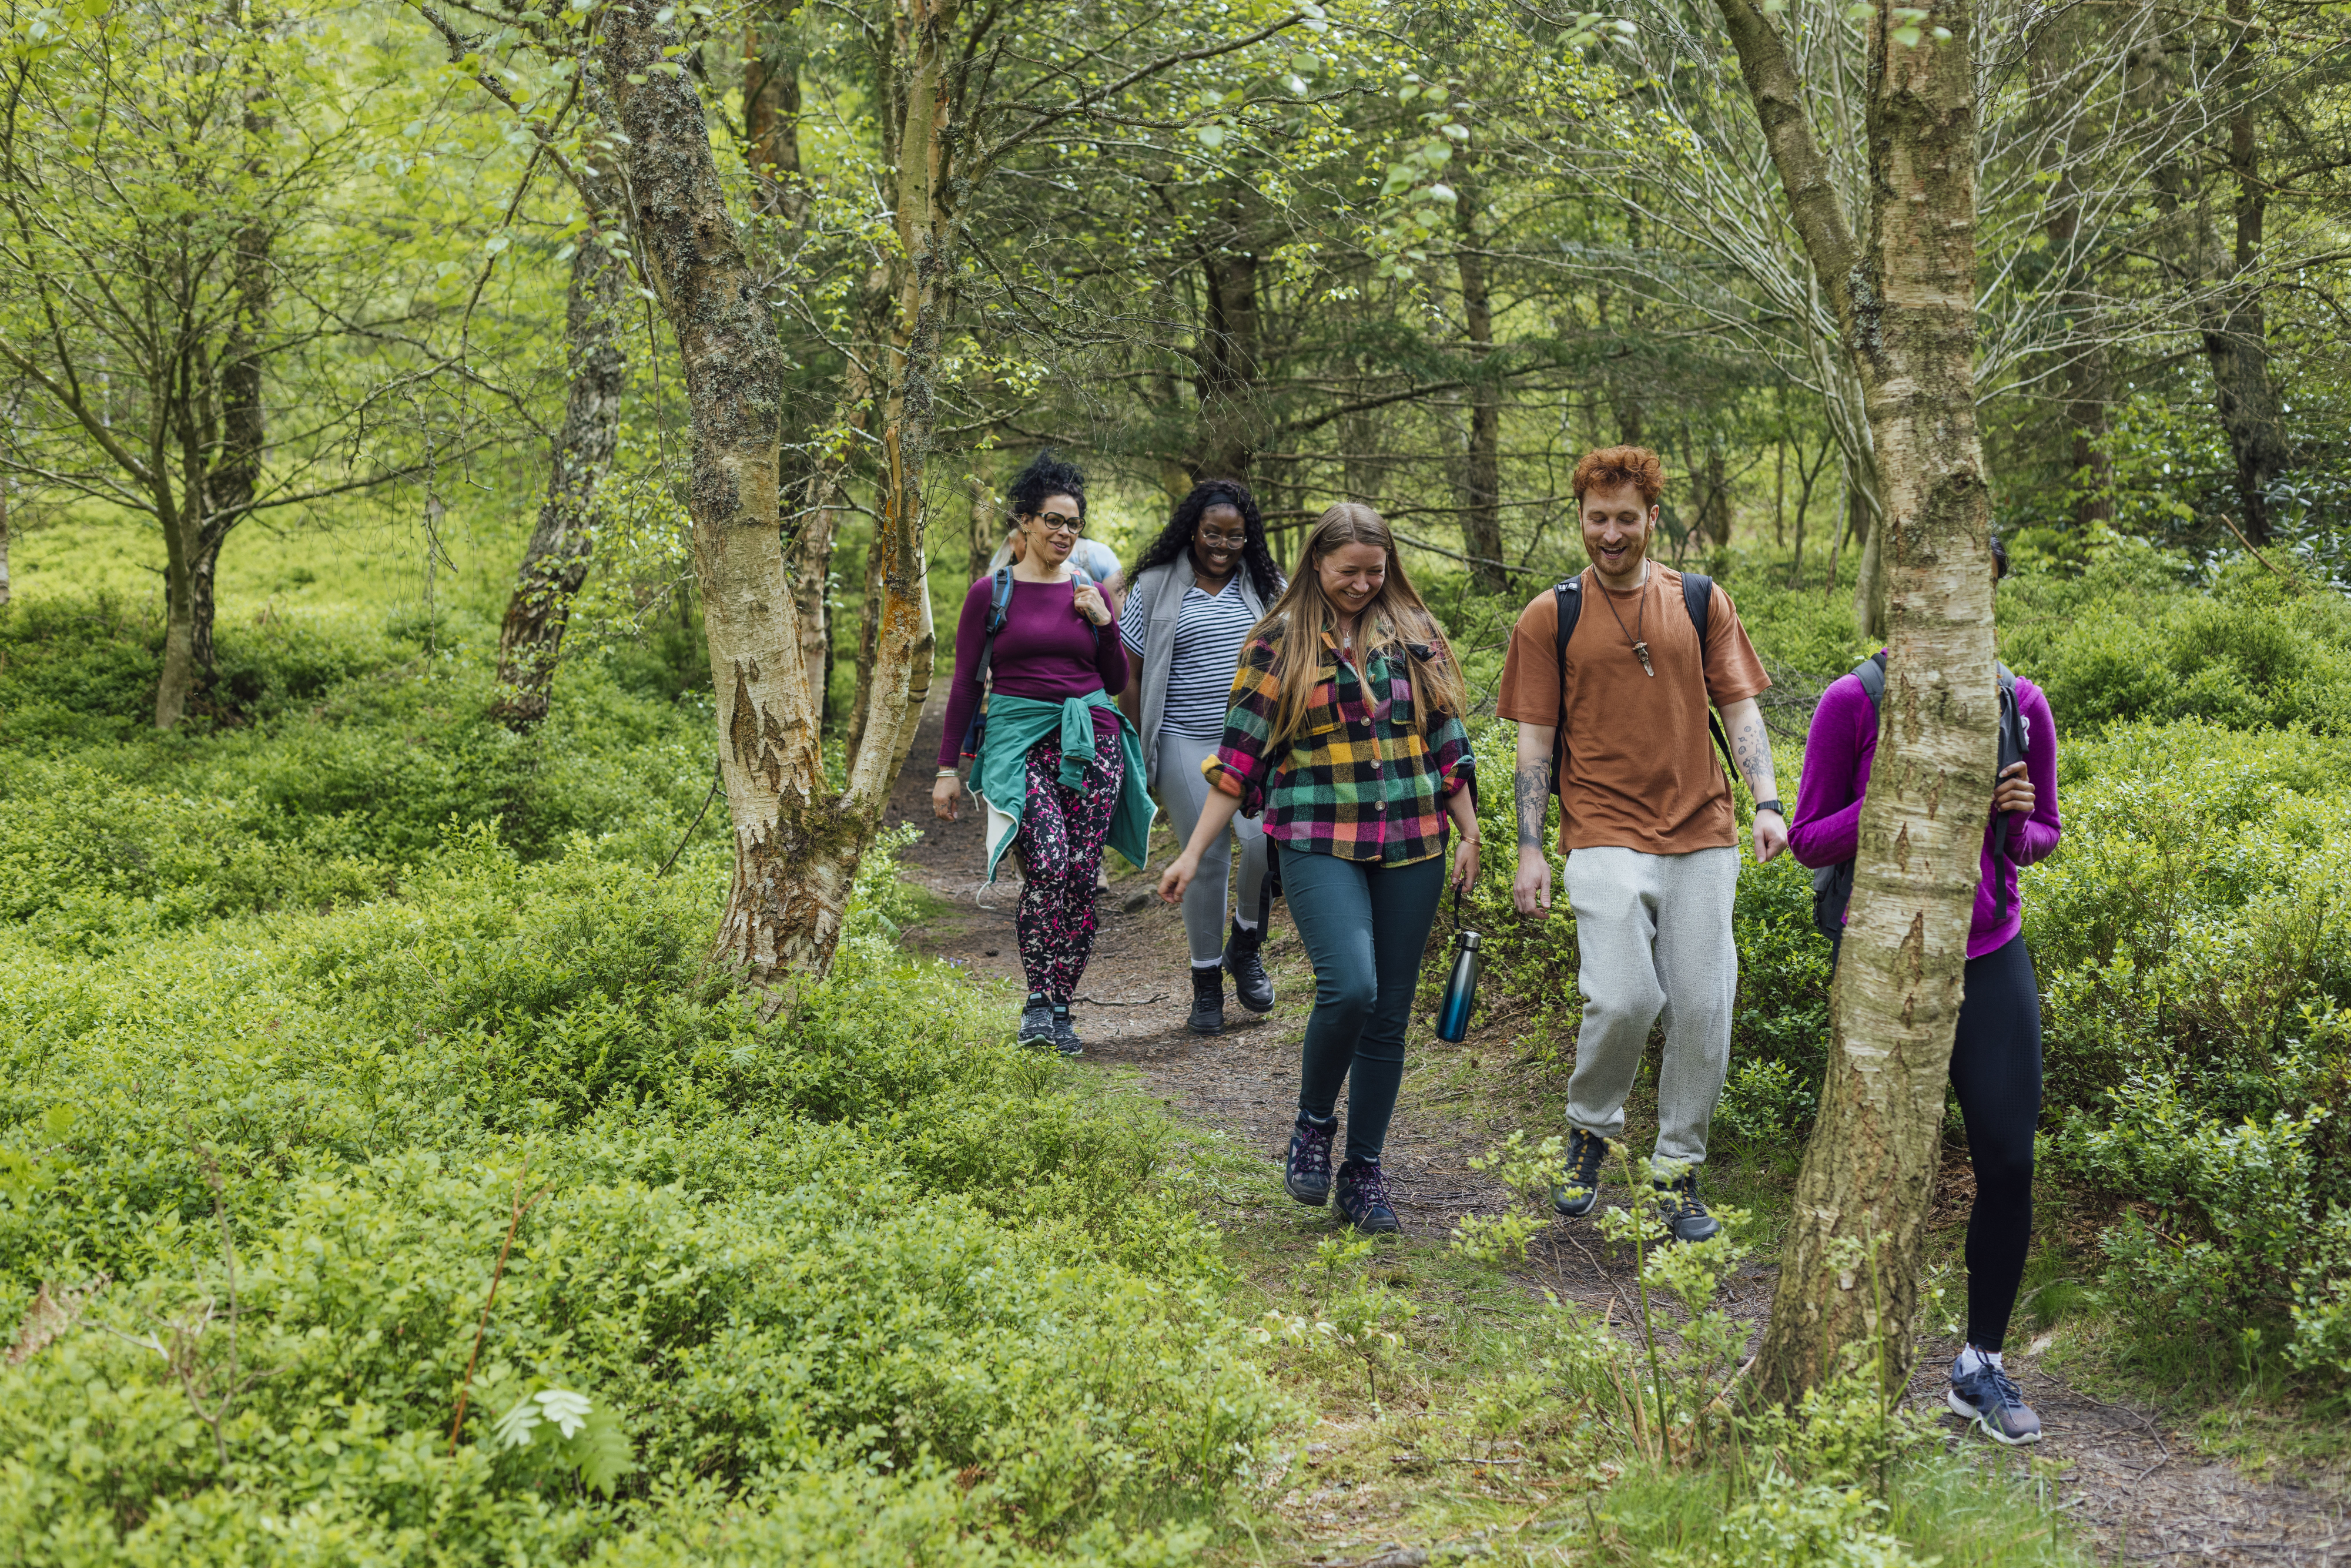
[(1198, 589), (1057, 767)]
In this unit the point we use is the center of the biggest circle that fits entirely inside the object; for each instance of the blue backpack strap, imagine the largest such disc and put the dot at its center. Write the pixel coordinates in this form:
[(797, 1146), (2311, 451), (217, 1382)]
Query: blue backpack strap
[(999, 606)]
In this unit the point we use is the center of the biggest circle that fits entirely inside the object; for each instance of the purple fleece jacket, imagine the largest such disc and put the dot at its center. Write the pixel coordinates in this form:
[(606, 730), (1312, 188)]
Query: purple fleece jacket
[(1046, 650), (1826, 828)]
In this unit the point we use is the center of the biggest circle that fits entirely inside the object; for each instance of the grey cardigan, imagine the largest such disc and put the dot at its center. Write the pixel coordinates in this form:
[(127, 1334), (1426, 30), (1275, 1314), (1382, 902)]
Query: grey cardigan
[(1163, 589)]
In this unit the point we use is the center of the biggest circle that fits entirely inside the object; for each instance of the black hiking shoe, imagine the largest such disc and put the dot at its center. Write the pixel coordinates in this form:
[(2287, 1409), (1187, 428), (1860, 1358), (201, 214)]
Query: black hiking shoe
[(1252, 986), (1307, 1176), (1036, 1022), (1207, 1001), (1578, 1188), (1679, 1207), (1363, 1200), (1065, 1033)]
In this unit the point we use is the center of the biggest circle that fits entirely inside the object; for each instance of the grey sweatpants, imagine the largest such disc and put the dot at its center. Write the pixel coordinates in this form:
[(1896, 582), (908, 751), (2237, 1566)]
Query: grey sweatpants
[(1655, 936), (1182, 791)]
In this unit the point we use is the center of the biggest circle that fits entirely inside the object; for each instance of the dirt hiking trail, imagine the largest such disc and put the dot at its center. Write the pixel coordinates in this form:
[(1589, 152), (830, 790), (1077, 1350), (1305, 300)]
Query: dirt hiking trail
[(2128, 1474)]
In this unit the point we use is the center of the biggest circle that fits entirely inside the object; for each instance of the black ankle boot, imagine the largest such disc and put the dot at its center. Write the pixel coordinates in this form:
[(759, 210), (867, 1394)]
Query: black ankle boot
[(1207, 1001), (1252, 986)]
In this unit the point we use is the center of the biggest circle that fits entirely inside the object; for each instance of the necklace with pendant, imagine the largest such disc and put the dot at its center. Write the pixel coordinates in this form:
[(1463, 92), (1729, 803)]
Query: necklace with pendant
[(1640, 618)]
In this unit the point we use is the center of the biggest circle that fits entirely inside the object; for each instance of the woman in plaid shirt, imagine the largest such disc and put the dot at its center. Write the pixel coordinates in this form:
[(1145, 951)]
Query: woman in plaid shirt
[(1346, 731)]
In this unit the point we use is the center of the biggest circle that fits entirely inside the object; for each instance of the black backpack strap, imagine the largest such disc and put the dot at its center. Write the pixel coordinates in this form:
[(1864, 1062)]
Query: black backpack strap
[(999, 606), (1568, 599), (1698, 598), (2011, 751)]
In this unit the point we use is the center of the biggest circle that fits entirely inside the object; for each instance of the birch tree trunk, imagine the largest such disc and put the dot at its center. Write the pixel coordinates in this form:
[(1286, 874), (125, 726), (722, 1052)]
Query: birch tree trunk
[(796, 846), (555, 562), (1905, 298)]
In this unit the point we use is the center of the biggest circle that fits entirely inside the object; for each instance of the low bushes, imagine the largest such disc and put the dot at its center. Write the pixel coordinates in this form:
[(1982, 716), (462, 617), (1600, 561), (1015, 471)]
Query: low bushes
[(295, 1055)]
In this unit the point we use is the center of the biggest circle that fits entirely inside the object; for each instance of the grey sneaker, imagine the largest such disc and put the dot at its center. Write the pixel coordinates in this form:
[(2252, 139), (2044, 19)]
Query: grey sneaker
[(1036, 1022), (1065, 1033), (1990, 1400), (1578, 1188)]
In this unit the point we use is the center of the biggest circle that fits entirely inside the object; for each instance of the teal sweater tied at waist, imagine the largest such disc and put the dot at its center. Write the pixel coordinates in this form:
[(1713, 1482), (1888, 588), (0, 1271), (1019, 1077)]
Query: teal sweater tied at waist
[(1001, 776)]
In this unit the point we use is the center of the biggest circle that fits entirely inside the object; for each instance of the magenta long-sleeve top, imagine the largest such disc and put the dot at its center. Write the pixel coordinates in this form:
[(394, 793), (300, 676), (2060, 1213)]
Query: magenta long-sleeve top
[(1826, 828), (1046, 650)]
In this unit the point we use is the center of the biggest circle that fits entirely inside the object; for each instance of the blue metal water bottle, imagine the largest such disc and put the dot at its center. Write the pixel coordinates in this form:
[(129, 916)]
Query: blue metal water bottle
[(1460, 990)]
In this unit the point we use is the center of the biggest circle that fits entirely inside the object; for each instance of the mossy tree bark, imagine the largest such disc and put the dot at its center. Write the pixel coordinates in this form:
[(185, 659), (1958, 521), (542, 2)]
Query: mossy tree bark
[(1481, 462), (555, 562), (796, 843), (1905, 297)]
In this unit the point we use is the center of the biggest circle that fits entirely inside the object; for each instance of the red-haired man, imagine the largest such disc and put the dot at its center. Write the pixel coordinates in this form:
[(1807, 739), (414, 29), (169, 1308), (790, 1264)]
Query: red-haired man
[(1617, 711)]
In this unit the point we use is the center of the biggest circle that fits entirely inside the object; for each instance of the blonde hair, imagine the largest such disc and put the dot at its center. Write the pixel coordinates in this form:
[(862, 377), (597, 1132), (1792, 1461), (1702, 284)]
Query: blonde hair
[(1394, 622)]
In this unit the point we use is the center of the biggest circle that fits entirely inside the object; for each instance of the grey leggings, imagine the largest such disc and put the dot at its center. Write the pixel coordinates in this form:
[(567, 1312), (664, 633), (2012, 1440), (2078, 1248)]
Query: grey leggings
[(1182, 791)]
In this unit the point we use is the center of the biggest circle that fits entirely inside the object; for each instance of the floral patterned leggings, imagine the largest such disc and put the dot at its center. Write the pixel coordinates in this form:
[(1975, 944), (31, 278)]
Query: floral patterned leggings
[(1061, 850)]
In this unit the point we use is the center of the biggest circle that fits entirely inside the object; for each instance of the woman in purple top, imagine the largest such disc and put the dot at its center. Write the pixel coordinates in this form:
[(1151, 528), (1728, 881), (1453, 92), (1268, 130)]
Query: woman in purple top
[(1996, 1057), (1055, 644)]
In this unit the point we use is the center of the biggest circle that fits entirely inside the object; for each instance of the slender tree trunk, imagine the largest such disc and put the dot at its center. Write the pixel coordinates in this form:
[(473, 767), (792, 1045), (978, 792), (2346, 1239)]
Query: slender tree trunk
[(2230, 315), (1905, 297), (2053, 62), (1229, 363), (1779, 491), (772, 118), (179, 674), (555, 562), (1869, 585), (2236, 333), (988, 523), (1481, 466), (4, 539), (796, 844)]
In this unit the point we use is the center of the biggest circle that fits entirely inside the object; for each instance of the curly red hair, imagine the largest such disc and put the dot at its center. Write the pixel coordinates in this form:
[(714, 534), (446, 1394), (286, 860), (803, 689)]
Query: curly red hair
[(1612, 467)]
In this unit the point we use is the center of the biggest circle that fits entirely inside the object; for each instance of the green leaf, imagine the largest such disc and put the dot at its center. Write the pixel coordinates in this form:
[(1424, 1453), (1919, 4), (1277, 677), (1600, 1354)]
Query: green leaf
[(599, 1450), (1212, 136)]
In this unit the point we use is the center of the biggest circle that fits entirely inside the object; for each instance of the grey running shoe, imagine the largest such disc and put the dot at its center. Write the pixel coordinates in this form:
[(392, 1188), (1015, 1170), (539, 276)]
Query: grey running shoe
[(1307, 1176), (1036, 1022), (1679, 1207), (1363, 1200), (1578, 1188), (1990, 1400), (1065, 1033)]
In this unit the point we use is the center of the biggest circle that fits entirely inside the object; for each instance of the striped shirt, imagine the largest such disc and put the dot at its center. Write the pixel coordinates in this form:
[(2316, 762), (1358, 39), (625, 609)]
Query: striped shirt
[(1357, 780), (1209, 631)]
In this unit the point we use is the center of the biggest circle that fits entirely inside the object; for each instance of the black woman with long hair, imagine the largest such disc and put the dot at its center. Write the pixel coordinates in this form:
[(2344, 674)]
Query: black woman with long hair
[(1197, 590)]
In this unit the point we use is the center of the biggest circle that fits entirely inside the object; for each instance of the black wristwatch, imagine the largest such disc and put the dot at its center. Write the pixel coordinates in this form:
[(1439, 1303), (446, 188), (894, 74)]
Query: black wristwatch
[(1771, 805)]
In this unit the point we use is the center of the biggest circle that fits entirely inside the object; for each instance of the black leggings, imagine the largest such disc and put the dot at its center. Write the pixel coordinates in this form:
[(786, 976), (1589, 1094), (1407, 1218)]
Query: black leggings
[(1996, 1071)]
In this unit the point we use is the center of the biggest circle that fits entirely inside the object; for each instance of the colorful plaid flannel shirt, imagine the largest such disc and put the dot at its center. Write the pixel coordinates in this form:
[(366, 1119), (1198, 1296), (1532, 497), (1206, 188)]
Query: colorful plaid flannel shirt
[(1357, 780)]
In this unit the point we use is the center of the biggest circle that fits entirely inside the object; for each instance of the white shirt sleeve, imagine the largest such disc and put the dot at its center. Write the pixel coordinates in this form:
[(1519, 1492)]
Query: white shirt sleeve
[(1132, 617)]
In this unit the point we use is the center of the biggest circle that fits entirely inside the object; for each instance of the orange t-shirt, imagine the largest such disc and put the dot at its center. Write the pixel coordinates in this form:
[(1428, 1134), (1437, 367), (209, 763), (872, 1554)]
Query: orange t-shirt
[(1642, 771)]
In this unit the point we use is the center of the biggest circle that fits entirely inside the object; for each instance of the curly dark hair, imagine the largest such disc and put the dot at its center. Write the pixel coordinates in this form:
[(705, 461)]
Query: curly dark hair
[(1173, 540), (1049, 473)]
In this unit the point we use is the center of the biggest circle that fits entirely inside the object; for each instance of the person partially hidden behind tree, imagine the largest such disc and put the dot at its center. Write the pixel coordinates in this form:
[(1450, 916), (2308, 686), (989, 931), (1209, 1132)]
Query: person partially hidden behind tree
[(1996, 1055), (1610, 676)]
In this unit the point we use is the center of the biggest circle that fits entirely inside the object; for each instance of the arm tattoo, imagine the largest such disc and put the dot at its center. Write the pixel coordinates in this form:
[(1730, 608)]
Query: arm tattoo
[(1753, 746), (1532, 787)]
